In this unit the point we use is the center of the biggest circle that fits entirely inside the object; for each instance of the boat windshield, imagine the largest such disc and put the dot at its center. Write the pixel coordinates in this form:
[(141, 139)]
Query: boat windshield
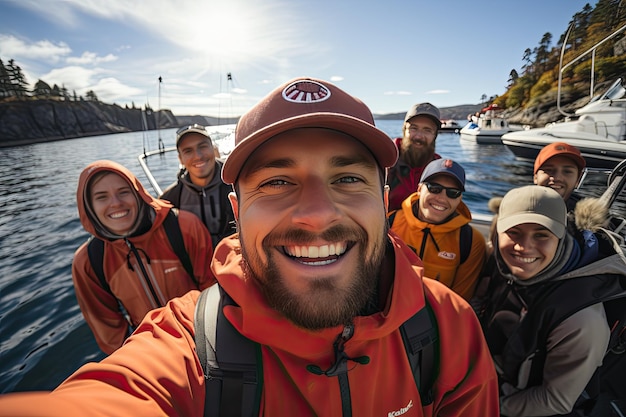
[(616, 91)]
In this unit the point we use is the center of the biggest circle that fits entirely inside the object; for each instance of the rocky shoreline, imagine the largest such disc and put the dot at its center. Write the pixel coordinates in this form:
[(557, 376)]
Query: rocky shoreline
[(35, 121)]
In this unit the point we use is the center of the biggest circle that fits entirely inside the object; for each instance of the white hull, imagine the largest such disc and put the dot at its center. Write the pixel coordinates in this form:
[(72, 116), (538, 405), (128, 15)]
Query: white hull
[(599, 132), (486, 132)]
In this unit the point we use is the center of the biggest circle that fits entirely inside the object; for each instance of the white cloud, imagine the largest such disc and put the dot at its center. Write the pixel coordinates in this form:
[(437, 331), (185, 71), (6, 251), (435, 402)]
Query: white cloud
[(90, 58), (73, 77), (397, 93), (438, 92), (44, 50), (112, 90)]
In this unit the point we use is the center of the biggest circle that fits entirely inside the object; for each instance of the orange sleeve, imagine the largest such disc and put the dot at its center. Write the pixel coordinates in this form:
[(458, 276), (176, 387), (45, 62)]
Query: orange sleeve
[(158, 376), (99, 307)]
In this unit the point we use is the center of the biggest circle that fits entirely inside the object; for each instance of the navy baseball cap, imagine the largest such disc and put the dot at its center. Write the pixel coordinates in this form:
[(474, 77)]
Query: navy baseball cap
[(445, 167)]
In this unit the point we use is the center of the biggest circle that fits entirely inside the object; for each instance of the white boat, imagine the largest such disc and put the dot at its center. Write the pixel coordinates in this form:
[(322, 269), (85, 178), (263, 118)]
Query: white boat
[(487, 127), (449, 125), (598, 129)]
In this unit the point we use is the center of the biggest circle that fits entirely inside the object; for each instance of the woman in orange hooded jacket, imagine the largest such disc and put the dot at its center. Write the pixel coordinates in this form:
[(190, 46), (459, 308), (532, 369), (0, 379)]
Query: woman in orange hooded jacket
[(140, 267)]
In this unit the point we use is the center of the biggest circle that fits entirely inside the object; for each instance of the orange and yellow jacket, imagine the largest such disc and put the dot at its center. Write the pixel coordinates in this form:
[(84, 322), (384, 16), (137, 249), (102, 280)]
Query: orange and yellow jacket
[(157, 372), (165, 272), (439, 246)]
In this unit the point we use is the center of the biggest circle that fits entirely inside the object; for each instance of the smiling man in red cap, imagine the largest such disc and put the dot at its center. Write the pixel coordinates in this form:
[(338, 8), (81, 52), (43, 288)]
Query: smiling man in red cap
[(559, 166), (319, 289)]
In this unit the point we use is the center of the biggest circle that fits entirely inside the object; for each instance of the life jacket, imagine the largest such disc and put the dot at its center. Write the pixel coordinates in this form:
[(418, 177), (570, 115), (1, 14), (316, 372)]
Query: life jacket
[(233, 368), (465, 238)]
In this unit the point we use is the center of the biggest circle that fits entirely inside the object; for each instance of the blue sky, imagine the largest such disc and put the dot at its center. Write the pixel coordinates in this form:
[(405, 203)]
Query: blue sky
[(391, 54)]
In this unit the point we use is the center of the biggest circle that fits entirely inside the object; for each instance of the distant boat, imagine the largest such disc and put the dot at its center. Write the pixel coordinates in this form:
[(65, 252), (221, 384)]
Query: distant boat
[(597, 129), (449, 125), (486, 127)]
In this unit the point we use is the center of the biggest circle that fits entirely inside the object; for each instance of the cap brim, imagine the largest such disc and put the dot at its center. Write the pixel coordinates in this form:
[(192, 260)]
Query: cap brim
[(504, 224), (186, 132), (378, 142), (449, 174)]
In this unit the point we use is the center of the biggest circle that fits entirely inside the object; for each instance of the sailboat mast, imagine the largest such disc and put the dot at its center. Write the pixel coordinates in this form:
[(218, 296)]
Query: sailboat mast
[(161, 145)]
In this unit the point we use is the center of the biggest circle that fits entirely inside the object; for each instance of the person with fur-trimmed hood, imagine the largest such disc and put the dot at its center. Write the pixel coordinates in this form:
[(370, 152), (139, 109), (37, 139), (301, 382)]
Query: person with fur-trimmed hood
[(140, 267), (539, 301)]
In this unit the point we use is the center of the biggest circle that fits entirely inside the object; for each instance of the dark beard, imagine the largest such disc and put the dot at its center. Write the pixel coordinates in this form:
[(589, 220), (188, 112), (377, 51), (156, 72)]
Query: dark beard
[(414, 157), (325, 305)]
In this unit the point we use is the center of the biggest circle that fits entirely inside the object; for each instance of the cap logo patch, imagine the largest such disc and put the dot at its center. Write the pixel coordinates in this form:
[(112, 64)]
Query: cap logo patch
[(306, 91), (447, 163)]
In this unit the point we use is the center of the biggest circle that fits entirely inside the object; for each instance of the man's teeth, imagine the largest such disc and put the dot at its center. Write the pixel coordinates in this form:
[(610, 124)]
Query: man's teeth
[(316, 251)]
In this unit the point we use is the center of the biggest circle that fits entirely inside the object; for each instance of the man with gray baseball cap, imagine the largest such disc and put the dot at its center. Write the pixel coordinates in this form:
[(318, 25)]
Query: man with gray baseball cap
[(416, 149)]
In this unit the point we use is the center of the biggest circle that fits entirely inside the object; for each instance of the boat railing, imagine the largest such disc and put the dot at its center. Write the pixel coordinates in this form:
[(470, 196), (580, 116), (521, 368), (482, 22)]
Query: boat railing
[(144, 166), (591, 51)]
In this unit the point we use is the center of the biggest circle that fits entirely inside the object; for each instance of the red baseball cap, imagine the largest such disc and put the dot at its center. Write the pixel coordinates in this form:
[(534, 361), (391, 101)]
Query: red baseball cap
[(306, 102), (559, 149)]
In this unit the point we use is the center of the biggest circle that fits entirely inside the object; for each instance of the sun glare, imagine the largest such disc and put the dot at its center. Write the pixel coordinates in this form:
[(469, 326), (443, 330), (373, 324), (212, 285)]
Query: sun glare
[(236, 31)]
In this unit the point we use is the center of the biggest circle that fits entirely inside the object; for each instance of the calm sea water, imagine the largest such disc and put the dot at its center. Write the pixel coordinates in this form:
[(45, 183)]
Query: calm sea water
[(43, 337)]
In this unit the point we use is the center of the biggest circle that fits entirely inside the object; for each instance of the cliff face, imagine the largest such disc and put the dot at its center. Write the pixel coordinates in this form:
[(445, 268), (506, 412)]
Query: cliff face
[(32, 121)]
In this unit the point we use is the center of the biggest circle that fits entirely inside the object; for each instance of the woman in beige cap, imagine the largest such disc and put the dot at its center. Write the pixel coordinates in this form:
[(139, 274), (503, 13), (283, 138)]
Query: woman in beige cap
[(540, 304)]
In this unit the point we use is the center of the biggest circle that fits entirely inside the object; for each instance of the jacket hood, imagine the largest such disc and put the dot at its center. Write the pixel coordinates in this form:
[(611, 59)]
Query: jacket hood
[(91, 224)]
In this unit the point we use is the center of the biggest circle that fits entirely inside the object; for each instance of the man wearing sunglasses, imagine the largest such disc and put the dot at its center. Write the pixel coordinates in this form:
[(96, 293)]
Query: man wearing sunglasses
[(199, 187), (435, 222)]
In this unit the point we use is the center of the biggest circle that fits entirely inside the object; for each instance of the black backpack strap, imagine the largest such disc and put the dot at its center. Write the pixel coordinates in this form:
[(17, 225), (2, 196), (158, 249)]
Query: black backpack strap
[(465, 241), (95, 251), (421, 342), (231, 362), (175, 237), (392, 217)]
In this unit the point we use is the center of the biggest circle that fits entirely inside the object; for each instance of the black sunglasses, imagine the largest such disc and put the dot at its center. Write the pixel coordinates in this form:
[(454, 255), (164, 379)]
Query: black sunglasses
[(437, 188), (194, 126)]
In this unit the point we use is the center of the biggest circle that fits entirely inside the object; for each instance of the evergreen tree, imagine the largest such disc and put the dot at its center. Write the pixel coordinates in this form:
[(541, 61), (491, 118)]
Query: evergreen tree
[(91, 96), (5, 81), (42, 89), (18, 84)]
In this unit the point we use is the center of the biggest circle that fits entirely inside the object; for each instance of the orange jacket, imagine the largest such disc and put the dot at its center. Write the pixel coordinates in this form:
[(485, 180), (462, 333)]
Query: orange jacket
[(442, 260), (157, 372), (167, 275)]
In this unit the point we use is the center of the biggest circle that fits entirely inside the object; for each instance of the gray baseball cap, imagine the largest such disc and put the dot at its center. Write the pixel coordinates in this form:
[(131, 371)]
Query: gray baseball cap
[(424, 109)]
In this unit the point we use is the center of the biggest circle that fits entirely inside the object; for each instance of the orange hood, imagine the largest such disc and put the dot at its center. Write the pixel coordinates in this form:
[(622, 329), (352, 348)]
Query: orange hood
[(88, 220)]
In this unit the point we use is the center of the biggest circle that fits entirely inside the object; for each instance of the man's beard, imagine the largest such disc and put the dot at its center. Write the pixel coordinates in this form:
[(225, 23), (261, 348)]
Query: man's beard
[(417, 157), (323, 304)]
